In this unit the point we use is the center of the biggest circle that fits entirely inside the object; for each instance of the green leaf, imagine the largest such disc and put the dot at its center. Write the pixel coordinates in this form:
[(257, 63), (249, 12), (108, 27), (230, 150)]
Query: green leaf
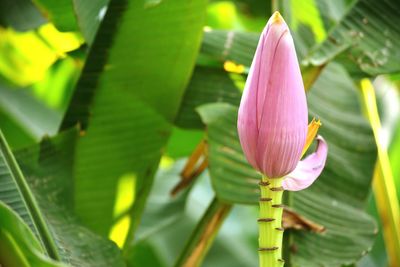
[(22, 15), (42, 198), (305, 23), (15, 134), (162, 209), (206, 85), (56, 88), (18, 245), (220, 45), (350, 232), (332, 12), (367, 36), (247, 15), (21, 106), (128, 95), (162, 212), (310, 20), (90, 14), (235, 46), (183, 142), (48, 168), (338, 196), (204, 234), (16, 193), (308, 15), (168, 220), (60, 13), (237, 240), (160, 242)]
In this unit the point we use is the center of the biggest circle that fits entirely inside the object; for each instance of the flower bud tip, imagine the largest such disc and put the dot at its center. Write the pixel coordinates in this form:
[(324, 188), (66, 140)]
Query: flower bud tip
[(277, 18)]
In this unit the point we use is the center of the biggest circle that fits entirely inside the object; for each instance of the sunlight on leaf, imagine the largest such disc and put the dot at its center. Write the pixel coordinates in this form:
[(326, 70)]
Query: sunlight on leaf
[(223, 15), (151, 3), (307, 14), (125, 198), (17, 62), (120, 230), (166, 162), (125, 194), (56, 87), (61, 42)]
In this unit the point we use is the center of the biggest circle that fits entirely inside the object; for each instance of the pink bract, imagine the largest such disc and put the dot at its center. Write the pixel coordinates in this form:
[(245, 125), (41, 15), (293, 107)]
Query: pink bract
[(272, 119)]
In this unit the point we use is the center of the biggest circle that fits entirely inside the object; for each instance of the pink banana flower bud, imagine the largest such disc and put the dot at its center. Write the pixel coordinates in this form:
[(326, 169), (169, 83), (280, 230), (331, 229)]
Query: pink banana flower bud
[(272, 119)]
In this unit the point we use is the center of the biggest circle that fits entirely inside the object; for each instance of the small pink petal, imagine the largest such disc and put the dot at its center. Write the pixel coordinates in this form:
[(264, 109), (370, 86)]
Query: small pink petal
[(307, 170)]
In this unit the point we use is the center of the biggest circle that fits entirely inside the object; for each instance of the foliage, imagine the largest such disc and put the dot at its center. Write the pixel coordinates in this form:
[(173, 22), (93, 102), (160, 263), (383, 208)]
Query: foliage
[(103, 102)]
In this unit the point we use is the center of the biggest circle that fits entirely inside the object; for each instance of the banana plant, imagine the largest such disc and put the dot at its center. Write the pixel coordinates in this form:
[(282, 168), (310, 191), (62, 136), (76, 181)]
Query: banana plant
[(120, 144)]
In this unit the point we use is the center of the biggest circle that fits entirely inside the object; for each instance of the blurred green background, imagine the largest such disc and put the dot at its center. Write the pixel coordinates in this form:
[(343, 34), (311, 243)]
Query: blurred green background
[(104, 102)]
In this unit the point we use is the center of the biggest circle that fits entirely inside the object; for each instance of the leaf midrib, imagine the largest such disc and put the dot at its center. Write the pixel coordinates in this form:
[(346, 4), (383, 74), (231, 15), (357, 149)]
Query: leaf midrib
[(28, 199)]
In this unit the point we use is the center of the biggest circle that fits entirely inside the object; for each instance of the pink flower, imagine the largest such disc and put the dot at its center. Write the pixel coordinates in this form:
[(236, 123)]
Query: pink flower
[(272, 120)]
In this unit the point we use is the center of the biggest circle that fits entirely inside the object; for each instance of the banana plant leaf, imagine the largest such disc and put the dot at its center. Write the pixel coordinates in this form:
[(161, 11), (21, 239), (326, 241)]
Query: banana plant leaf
[(37, 186)]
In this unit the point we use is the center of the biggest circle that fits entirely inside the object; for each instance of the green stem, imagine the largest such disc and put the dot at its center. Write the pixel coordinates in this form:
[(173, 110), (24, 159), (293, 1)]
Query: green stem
[(270, 223)]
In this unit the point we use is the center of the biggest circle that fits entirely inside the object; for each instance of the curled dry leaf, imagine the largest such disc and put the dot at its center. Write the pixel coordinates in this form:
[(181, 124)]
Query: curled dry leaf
[(293, 220), (195, 165)]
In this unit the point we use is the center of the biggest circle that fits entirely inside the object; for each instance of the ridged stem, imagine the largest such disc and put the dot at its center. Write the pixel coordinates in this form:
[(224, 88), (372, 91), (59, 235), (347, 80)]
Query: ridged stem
[(270, 223)]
